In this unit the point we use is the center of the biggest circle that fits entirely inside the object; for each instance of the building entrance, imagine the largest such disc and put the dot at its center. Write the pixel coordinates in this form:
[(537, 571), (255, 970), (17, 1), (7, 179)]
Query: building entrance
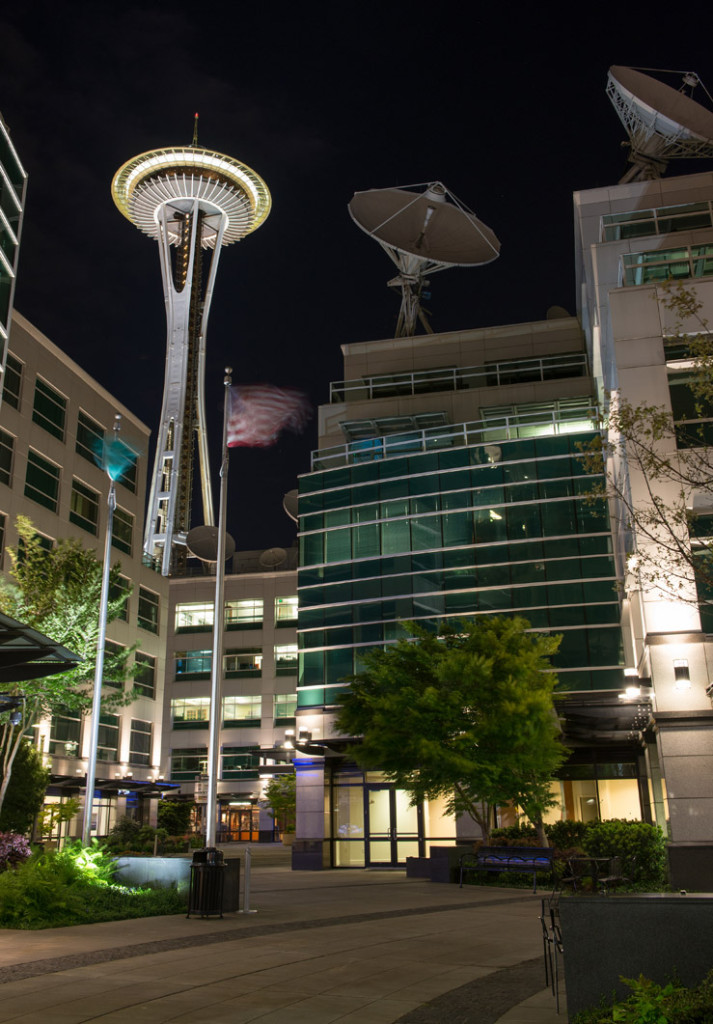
[(392, 826)]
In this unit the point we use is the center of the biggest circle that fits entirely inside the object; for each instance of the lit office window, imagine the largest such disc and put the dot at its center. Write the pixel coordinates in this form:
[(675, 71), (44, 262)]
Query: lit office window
[(285, 611), (246, 614), (49, 409), (285, 659), (42, 481), (285, 706), (193, 663), (189, 710), (242, 710), (194, 617), (245, 661)]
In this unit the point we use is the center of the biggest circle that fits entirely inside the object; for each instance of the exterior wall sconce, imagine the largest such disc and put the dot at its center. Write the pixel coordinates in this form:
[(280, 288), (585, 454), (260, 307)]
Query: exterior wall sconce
[(681, 674)]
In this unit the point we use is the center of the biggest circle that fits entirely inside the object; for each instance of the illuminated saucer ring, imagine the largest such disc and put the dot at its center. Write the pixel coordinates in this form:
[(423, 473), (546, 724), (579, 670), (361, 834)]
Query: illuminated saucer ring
[(175, 177)]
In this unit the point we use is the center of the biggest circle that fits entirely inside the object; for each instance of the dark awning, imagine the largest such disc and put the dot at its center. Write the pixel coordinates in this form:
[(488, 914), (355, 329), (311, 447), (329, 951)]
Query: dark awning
[(27, 654)]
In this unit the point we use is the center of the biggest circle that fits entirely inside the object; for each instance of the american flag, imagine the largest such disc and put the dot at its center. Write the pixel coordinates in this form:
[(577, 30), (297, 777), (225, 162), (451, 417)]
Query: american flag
[(258, 412)]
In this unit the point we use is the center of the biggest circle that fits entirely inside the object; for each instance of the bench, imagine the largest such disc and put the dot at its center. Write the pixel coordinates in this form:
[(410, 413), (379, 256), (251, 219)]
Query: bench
[(510, 859)]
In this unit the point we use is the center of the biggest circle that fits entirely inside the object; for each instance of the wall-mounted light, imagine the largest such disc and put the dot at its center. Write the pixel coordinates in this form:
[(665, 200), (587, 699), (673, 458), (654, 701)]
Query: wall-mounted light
[(681, 674)]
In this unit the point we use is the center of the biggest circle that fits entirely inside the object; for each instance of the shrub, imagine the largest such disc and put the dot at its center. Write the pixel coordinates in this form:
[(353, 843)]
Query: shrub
[(14, 849), (175, 816), (642, 848), (567, 833), (650, 1003)]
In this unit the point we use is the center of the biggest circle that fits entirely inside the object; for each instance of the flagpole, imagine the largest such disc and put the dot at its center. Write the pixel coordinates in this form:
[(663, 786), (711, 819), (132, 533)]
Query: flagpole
[(218, 623), (99, 663)]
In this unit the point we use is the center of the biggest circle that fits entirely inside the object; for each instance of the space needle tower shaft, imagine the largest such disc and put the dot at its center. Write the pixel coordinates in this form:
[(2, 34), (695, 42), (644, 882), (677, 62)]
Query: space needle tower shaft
[(192, 201)]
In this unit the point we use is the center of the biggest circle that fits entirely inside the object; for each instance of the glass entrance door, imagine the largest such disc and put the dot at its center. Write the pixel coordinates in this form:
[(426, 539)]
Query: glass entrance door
[(392, 826)]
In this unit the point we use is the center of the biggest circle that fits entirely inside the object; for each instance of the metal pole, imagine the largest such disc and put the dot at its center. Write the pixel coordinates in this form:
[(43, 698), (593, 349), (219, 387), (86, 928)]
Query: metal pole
[(218, 617), (99, 667)]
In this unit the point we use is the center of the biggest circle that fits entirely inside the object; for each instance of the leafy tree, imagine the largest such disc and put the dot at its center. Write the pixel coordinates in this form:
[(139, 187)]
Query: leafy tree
[(25, 792), (658, 465), (57, 592), (175, 816), (466, 714), (281, 799)]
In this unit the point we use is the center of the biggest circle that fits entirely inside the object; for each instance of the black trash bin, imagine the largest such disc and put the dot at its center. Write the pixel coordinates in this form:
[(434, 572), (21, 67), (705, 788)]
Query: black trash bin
[(205, 895)]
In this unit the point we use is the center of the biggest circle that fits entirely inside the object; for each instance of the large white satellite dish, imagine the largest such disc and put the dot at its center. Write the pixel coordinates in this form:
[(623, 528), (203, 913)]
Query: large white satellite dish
[(422, 228), (662, 123)]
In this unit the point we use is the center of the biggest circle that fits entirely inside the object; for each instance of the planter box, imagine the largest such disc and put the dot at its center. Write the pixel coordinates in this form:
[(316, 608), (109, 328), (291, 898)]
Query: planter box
[(160, 871), (608, 937)]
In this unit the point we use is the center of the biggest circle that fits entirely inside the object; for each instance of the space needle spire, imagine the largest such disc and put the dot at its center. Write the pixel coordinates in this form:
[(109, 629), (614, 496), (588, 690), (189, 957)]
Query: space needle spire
[(192, 201)]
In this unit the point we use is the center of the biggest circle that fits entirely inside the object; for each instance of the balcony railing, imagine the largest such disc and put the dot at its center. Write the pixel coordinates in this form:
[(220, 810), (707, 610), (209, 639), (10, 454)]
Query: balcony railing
[(573, 418), (514, 371)]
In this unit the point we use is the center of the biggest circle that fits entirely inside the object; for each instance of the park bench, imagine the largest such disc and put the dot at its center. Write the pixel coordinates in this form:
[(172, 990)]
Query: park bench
[(517, 859)]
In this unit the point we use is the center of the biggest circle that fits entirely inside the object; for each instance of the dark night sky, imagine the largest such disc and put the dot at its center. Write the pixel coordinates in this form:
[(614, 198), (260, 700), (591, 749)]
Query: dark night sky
[(506, 108)]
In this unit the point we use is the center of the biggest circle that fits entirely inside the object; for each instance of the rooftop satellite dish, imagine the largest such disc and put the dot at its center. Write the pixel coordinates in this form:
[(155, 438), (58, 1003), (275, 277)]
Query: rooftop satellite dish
[(422, 228), (289, 503), (273, 557), (202, 542), (662, 123)]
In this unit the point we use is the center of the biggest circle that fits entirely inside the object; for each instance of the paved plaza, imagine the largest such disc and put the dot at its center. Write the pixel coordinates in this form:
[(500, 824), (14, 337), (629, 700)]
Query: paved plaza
[(364, 947)]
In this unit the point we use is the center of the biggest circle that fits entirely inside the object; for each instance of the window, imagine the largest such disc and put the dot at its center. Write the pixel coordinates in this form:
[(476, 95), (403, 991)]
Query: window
[(145, 674), (42, 481), (13, 381), (3, 524), (128, 477), (114, 662), (187, 762), (195, 617), (108, 747), (193, 663), (242, 710), (243, 614), (65, 734), (245, 661), (90, 438), (285, 706), (140, 742), (7, 442), (84, 507), (239, 763), (285, 659), (664, 221), (119, 590), (190, 711), (148, 610), (285, 611), (122, 530), (664, 264), (49, 409)]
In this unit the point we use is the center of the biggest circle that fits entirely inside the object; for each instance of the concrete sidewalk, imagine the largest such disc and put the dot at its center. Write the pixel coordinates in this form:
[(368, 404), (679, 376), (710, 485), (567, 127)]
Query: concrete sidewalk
[(364, 947)]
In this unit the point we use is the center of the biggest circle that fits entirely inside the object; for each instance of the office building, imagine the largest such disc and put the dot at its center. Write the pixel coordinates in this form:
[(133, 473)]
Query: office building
[(51, 417), (13, 185)]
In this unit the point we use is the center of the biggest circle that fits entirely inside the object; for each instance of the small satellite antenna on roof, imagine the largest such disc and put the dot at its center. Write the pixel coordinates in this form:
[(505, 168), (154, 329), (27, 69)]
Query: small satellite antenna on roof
[(662, 123), (273, 557), (289, 503), (422, 228)]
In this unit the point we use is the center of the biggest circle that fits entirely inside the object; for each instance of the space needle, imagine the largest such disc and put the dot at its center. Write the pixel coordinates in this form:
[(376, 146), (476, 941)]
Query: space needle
[(192, 201)]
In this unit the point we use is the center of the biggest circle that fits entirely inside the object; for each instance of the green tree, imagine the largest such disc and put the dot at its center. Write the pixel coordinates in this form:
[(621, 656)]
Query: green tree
[(281, 799), (466, 714), (175, 816), (57, 592), (25, 793), (657, 463)]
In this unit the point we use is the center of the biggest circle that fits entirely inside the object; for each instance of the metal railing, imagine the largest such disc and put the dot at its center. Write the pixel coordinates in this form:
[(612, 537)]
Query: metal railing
[(419, 382), (487, 432)]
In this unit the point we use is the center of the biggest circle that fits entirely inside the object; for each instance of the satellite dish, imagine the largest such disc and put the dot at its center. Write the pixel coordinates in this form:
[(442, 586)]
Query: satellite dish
[(662, 123), (289, 503), (423, 229), (202, 542), (273, 557)]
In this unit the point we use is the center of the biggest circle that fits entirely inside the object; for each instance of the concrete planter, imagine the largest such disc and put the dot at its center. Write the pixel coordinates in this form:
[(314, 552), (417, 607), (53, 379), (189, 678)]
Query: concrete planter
[(608, 937), (159, 871)]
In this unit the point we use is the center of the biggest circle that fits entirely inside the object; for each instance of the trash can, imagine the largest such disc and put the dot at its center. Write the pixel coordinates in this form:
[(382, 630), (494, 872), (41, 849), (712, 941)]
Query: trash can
[(205, 894)]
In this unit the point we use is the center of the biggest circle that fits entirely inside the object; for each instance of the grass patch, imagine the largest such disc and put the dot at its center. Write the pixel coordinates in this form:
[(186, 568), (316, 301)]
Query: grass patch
[(75, 886)]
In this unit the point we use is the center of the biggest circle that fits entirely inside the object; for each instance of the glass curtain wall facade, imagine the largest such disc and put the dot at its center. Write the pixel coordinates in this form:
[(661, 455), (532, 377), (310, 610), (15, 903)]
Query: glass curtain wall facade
[(13, 184)]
